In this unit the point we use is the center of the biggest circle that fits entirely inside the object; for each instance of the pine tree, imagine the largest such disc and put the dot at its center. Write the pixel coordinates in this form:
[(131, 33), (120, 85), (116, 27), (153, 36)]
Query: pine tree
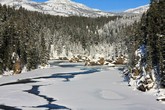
[(43, 51)]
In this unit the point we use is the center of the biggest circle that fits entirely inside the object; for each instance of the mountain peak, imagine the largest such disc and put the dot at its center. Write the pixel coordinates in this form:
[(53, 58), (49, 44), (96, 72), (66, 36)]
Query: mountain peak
[(57, 7)]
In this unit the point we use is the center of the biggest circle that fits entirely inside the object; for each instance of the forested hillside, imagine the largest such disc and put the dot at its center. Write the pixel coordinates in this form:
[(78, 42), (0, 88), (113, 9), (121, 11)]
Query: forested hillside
[(147, 43), (154, 30), (26, 37)]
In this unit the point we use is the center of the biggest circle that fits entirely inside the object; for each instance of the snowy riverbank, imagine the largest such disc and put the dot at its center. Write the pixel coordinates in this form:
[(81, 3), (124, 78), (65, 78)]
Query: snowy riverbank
[(73, 87)]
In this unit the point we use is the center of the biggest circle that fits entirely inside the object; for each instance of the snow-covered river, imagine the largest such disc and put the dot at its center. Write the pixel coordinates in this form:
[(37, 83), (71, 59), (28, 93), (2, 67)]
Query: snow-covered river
[(72, 86)]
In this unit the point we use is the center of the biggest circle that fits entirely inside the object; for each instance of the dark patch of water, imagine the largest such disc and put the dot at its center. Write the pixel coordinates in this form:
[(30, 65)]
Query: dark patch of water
[(65, 76), (22, 81), (49, 106), (68, 76), (120, 68), (70, 65), (5, 107)]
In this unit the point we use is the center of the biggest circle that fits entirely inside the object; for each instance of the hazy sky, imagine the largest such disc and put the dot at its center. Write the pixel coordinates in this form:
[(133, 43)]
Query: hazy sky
[(110, 5)]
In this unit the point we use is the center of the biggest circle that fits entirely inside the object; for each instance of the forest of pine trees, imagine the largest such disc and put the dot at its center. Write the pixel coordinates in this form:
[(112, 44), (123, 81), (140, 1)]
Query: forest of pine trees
[(27, 36), (153, 31), (150, 33)]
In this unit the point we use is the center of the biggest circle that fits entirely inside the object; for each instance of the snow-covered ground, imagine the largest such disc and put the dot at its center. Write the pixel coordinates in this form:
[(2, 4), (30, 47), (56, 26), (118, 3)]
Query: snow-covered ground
[(69, 86)]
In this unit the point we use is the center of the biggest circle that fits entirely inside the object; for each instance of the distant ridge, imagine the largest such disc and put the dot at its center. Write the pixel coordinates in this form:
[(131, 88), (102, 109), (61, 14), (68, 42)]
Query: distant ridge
[(57, 7), (138, 10)]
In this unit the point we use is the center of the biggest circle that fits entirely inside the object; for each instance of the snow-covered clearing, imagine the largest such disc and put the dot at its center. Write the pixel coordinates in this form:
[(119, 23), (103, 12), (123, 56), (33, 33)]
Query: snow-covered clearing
[(69, 86)]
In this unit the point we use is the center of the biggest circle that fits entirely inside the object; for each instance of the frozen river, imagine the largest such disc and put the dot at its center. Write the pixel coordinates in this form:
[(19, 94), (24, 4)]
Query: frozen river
[(71, 86)]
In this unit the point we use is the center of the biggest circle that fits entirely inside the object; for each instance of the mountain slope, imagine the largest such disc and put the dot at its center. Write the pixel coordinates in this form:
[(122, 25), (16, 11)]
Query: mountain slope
[(57, 7), (138, 10)]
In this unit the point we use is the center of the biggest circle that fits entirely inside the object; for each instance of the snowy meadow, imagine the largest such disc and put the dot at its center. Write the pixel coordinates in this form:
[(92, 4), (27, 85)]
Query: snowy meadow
[(73, 86)]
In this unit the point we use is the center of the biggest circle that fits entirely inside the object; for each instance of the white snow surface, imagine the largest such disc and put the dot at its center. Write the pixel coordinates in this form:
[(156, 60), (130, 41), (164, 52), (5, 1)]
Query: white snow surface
[(138, 10), (103, 89)]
